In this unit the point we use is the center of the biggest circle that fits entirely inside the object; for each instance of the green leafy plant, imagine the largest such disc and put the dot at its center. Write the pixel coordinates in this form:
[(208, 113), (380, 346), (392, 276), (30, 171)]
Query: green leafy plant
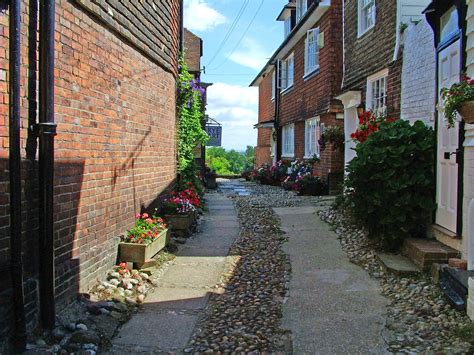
[(390, 184), (454, 97), (190, 115), (333, 135), (146, 229)]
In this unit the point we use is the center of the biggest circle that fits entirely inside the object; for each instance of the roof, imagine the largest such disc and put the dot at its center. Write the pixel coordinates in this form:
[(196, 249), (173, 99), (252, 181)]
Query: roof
[(314, 13), (288, 7)]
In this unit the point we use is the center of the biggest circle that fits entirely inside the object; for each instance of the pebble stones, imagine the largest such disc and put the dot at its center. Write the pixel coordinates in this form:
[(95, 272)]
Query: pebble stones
[(246, 317), (418, 319)]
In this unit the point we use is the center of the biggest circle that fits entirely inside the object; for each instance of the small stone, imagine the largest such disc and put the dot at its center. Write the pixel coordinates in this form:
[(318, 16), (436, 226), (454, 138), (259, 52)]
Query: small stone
[(114, 282), (85, 337), (114, 275), (140, 298), (81, 326), (71, 326), (141, 289), (58, 333), (40, 342)]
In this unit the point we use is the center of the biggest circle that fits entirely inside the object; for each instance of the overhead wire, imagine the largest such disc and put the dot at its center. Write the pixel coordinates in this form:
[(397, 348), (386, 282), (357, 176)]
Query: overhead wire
[(230, 31), (242, 37)]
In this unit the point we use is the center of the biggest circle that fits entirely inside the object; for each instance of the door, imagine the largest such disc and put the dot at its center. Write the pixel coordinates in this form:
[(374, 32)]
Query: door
[(449, 64)]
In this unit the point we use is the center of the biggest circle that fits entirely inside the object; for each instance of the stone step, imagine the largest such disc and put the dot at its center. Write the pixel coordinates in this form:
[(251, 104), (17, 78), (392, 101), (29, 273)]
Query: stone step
[(425, 252), (397, 264)]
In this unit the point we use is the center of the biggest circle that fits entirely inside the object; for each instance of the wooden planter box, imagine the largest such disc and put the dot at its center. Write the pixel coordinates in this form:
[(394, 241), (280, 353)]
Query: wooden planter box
[(139, 253), (466, 110), (180, 222)]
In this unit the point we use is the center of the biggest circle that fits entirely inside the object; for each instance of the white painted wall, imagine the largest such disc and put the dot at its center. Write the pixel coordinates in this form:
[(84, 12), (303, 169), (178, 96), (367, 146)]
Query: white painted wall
[(411, 10), (418, 95)]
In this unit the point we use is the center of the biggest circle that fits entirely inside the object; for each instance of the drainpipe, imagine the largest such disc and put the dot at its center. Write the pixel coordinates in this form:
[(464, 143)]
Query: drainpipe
[(46, 131), (277, 110), (15, 177), (181, 26)]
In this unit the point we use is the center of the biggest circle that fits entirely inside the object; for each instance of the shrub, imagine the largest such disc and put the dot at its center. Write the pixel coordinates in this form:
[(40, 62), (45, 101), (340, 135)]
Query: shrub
[(391, 182)]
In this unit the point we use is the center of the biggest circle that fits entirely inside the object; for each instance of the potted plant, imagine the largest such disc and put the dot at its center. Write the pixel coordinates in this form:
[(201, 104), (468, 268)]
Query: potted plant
[(180, 214), (459, 98), (210, 178), (144, 240), (333, 135), (311, 185)]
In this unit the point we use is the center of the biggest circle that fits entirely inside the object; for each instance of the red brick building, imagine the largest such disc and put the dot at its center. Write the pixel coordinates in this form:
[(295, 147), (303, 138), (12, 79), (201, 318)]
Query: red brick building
[(298, 86), (373, 43), (114, 105)]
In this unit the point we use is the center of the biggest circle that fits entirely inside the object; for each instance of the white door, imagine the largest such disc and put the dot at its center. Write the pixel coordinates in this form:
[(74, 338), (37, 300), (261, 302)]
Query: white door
[(449, 62)]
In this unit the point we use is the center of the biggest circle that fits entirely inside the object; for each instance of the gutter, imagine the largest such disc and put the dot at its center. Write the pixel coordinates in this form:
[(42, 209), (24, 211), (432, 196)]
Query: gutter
[(181, 27), (46, 131), (16, 261)]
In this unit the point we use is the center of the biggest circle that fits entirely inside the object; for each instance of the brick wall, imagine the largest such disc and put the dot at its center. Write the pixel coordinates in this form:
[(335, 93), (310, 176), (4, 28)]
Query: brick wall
[(373, 51), (263, 149), (418, 95), (266, 112), (315, 95), (115, 148), (192, 49)]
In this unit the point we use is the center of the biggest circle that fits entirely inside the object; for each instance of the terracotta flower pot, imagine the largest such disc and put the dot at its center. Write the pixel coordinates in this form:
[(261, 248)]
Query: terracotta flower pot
[(139, 253), (466, 110)]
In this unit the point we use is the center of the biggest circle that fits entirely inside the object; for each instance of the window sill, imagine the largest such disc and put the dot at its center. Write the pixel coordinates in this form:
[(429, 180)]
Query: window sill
[(311, 156), (312, 73), (283, 155), (288, 89), (363, 33)]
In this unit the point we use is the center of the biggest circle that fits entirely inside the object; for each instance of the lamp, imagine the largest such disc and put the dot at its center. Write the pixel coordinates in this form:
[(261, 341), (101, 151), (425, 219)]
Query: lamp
[(360, 109)]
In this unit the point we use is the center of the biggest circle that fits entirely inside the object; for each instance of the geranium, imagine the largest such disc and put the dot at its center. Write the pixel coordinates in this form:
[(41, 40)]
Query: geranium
[(178, 205), (146, 229), (369, 122), (455, 96)]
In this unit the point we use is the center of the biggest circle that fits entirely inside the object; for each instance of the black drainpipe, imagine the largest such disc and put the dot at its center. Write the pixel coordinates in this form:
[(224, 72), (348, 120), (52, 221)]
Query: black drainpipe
[(277, 110), (181, 26), (15, 177), (47, 131)]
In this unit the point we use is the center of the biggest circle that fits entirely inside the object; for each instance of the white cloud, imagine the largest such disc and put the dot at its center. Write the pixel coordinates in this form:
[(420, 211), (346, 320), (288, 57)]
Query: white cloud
[(250, 54), (199, 16), (236, 108)]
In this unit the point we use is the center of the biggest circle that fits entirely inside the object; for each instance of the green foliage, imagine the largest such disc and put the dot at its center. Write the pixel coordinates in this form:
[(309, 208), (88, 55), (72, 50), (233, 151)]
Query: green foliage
[(229, 162), (456, 95), (189, 108), (333, 135), (391, 184)]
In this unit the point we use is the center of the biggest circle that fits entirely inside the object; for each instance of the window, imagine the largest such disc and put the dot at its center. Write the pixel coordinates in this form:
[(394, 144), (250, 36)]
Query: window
[(273, 85), (366, 16), (287, 26), (377, 92), (288, 141), (287, 72), (301, 7), (312, 134), (449, 24), (311, 53)]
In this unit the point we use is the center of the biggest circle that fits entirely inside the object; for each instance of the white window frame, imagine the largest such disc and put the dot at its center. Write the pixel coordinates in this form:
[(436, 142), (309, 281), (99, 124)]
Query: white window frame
[(287, 26), (366, 16), (288, 72), (312, 135), (374, 88), (288, 141), (449, 24), (301, 8), (273, 85), (311, 51)]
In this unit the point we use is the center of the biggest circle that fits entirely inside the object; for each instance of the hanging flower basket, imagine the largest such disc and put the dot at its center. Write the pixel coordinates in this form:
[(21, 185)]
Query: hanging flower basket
[(466, 110), (139, 253)]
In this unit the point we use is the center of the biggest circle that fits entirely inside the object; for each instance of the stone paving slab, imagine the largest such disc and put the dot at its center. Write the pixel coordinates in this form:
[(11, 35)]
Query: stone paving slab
[(176, 298), (168, 330), (171, 311), (193, 276), (333, 306)]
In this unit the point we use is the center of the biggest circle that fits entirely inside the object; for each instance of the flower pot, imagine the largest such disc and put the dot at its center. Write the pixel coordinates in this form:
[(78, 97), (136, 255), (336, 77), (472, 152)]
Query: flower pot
[(211, 182), (139, 253), (466, 110), (181, 222)]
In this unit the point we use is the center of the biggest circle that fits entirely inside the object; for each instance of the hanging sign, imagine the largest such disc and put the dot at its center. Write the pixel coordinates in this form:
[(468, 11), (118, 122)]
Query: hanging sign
[(214, 131)]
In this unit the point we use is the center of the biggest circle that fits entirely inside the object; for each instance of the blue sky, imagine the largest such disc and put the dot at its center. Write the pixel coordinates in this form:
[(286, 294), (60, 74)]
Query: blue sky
[(231, 65)]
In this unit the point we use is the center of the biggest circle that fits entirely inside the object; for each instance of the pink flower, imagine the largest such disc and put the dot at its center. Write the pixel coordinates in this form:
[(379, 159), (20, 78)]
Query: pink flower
[(137, 215), (145, 215)]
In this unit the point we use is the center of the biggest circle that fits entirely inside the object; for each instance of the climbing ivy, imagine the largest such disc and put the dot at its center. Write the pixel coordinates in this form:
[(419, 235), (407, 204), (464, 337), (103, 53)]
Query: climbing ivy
[(189, 108)]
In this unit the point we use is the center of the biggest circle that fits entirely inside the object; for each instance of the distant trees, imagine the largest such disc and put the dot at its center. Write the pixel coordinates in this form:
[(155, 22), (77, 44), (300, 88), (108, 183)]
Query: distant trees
[(229, 162)]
